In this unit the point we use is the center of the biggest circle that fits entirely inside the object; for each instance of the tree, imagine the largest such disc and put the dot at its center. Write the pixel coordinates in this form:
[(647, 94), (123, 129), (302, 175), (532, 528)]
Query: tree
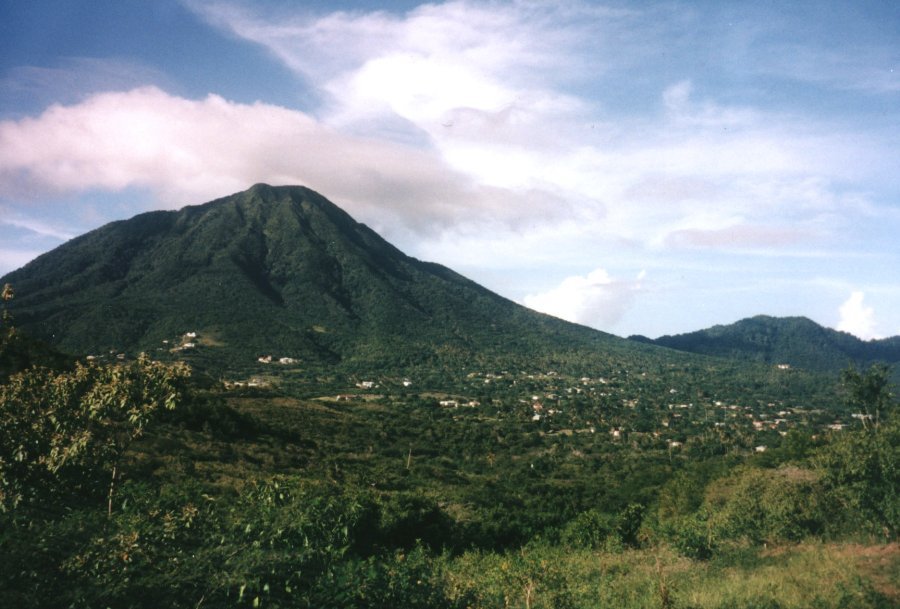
[(868, 393), (6, 328), (64, 432), (861, 473)]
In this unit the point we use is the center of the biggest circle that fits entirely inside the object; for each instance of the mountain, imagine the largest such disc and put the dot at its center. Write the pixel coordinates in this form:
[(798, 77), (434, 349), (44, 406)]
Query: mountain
[(275, 271), (796, 341)]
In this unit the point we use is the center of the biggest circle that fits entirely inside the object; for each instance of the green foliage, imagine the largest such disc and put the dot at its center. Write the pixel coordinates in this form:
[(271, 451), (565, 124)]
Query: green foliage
[(279, 271), (861, 473), (408, 520), (796, 341), (62, 431), (628, 524), (692, 535), (284, 496), (18, 351), (593, 529), (769, 505), (530, 577), (414, 579), (869, 393), (590, 529)]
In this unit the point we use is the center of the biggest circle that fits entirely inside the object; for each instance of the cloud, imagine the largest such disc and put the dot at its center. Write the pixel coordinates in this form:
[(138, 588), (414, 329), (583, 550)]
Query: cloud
[(456, 115), (512, 96), (595, 299), (740, 236), (38, 228), (856, 318), (189, 151), (531, 134)]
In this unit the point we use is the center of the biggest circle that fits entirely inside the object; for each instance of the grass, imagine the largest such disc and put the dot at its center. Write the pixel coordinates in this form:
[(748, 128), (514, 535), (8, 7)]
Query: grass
[(813, 574)]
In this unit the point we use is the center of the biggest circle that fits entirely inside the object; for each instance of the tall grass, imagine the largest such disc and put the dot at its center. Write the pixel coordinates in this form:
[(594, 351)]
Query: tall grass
[(817, 575)]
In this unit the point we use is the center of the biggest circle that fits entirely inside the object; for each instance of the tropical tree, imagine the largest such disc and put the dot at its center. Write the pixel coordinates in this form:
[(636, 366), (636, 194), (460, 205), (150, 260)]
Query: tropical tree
[(64, 432), (868, 393)]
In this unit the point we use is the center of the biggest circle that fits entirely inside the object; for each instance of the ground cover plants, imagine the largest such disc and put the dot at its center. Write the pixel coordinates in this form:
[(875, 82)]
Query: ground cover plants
[(135, 483)]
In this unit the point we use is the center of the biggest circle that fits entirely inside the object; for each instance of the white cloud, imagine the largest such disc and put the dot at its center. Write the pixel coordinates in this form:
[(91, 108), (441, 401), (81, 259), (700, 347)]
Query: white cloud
[(534, 134), (504, 131), (190, 151), (510, 96), (595, 299), (856, 318), (38, 228)]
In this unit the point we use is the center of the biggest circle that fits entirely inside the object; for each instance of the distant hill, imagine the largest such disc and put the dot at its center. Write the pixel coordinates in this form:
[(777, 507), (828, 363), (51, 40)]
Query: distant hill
[(796, 341), (276, 271)]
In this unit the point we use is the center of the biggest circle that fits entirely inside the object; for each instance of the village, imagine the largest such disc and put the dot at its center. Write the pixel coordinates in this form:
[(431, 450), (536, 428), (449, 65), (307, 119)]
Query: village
[(631, 408)]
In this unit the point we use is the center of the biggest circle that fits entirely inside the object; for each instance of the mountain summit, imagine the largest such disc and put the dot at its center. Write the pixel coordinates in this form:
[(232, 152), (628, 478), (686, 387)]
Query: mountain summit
[(272, 270)]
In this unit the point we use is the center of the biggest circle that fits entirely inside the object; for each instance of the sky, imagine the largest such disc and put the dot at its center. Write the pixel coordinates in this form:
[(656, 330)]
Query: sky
[(638, 167)]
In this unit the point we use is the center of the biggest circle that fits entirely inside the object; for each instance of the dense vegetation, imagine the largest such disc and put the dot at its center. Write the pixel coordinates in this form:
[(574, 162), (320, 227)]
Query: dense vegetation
[(321, 421), (795, 341), (282, 272), (129, 484)]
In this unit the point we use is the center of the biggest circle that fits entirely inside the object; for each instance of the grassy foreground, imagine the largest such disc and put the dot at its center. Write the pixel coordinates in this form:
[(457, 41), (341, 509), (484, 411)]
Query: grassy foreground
[(811, 574)]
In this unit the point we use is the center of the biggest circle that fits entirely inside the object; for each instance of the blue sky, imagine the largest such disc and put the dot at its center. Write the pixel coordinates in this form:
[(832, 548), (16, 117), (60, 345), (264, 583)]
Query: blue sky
[(639, 167)]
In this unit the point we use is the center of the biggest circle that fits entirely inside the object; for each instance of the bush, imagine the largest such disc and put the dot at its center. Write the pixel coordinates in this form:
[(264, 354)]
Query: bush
[(411, 580), (768, 505), (692, 536), (589, 529)]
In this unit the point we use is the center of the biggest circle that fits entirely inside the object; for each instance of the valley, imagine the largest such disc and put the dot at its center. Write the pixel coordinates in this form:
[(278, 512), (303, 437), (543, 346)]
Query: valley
[(258, 402)]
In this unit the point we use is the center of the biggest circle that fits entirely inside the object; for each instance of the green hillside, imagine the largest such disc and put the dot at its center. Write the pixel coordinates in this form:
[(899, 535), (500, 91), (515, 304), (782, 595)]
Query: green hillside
[(282, 272), (426, 444), (795, 341)]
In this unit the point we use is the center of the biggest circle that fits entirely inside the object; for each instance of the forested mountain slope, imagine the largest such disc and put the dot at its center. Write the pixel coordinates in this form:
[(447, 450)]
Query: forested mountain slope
[(276, 270), (795, 341)]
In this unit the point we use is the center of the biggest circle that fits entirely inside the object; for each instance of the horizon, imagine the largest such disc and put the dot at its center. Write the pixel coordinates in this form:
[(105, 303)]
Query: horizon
[(636, 167), (276, 186)]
